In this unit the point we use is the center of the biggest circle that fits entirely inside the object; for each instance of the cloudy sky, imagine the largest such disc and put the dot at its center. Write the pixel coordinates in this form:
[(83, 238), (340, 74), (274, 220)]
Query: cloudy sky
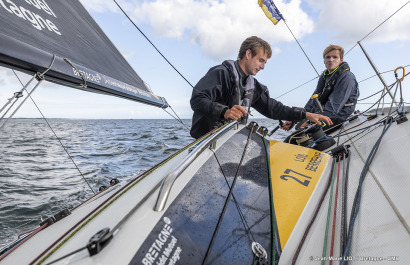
[(197, 34)]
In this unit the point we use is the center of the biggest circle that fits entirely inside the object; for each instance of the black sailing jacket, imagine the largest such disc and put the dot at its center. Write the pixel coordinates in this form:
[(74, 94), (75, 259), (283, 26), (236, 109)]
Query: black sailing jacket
[(214, 92)]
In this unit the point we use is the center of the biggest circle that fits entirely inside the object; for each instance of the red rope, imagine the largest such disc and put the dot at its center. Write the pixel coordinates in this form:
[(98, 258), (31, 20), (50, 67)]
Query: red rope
[(302, 241), (334, 215), (35, 231)]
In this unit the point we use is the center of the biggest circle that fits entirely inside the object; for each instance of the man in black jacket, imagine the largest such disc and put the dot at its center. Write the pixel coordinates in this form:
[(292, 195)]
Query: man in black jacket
[(228, 91)]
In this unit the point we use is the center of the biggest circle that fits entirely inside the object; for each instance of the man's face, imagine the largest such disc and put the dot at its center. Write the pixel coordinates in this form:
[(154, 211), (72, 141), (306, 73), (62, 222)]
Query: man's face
[(332, 60), (254, 64)]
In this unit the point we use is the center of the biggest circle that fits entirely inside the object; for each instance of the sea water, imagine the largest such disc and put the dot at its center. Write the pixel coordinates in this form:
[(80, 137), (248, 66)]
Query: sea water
[(38, 178)]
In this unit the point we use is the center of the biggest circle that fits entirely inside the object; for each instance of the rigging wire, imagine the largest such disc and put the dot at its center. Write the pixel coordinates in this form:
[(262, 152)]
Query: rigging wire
[(350, 49), (381, 73), (65, 149), (284, 21), (152, 43), (378, 26), (176, 117)]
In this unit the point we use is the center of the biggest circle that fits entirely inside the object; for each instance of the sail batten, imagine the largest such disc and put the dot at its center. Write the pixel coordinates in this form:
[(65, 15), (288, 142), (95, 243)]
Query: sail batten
[(34, 31)]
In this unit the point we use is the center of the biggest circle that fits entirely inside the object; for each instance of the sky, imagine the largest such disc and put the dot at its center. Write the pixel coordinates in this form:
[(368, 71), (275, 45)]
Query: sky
[(195, 35)]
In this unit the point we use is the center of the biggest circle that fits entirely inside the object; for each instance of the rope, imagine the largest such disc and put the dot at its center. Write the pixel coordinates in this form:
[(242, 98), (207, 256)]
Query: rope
[(302, 241), (35, 231), (328, 217), (357, 199), (272, 213), (105, 205), (356, 203), (84, 84), (335, 210), (227, 198), (152, 43), (343, 228), (242, 216), (65, 149)]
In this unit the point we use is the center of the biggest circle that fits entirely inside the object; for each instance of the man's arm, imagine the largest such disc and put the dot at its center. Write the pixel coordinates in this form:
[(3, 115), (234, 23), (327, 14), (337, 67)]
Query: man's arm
[(209, 92)]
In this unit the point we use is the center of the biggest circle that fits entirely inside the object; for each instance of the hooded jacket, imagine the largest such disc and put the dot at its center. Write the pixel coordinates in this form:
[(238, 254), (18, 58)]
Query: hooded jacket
[(341, 99), (217, 91)]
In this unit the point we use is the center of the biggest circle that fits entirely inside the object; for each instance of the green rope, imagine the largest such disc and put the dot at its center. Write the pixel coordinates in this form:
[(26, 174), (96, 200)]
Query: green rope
[(328, 216), (272, 214)]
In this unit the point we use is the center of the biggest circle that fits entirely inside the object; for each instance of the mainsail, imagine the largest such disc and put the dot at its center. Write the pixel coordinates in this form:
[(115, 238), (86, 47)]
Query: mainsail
[(34, 31)]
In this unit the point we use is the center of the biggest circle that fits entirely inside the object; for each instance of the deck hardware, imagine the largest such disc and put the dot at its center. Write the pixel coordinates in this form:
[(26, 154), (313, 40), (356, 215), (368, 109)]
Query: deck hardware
[(258, 250), (114, 182), (212, 146), (99, 241)]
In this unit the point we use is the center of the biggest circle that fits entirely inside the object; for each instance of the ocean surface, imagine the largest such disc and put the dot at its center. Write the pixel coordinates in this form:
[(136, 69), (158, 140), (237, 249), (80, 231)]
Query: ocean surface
[(38, 179)]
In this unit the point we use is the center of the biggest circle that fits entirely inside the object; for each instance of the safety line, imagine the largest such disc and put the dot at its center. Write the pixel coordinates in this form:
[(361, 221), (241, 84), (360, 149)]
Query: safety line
[(228, 197), (242, 216)]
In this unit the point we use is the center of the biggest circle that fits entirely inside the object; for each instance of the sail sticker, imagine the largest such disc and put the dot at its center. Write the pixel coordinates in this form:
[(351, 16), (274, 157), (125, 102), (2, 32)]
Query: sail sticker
[(295, 171), (35, 17), (160, 252)]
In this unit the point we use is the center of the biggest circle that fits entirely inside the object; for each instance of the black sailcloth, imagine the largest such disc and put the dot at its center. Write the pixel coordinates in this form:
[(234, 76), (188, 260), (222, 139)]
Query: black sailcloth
[(32, 31)]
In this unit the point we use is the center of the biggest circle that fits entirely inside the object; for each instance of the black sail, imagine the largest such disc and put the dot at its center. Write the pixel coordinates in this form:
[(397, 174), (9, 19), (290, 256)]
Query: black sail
[(33, 31)]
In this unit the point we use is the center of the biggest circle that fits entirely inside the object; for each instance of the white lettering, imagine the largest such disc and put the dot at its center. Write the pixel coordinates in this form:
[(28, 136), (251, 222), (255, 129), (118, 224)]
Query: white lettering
[(53, 27), (16, 10), (33, 3), (29, 16), (46, 8), (155, 250), (175, 257), (41, 4), (36, 20), (8, 10)]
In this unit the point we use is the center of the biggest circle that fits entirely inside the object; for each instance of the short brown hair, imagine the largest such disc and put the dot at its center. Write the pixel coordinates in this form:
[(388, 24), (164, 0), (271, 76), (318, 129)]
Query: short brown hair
[(254, 44), (332, 47)]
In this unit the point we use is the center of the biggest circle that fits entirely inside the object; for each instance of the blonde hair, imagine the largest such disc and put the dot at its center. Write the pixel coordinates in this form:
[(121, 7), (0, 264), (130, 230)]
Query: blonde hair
[(254, 44), (332, 47)]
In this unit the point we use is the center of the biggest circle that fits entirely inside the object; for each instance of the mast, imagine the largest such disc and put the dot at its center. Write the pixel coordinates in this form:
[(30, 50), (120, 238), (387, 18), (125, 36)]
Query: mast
[(378, 74)]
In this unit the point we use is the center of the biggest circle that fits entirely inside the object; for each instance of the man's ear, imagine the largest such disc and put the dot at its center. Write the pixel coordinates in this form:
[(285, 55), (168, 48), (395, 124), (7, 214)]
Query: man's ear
[(248, 54)]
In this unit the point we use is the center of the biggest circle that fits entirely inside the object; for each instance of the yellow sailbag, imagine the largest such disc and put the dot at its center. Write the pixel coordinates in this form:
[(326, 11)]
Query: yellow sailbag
[(295, 171)]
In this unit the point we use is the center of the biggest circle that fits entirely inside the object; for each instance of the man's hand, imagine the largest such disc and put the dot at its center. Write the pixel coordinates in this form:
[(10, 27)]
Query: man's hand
[(235, 113), (287, 125), (316, 118)]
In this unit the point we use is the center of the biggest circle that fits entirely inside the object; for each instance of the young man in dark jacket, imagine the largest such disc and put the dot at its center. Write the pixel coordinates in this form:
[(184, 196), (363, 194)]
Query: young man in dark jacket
[(337, 89), (228, 91)]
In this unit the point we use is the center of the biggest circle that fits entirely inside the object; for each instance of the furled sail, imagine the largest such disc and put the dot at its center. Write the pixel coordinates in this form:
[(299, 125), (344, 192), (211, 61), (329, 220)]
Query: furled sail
[(33, 31)]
